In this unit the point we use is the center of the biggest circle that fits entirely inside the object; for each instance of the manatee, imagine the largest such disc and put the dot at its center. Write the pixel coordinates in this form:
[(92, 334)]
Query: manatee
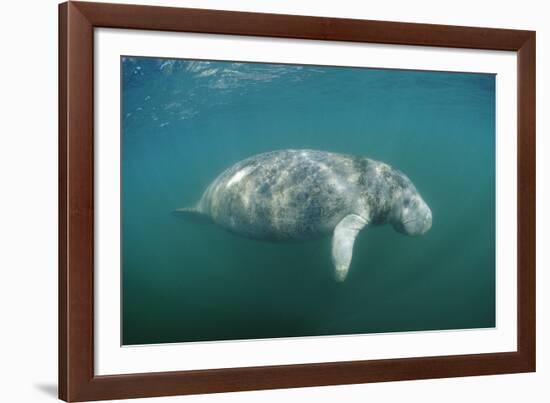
[(293, 195)]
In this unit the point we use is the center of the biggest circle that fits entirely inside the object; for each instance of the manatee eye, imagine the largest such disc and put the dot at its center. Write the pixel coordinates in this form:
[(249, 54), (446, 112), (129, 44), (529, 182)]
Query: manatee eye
[(406, 202)]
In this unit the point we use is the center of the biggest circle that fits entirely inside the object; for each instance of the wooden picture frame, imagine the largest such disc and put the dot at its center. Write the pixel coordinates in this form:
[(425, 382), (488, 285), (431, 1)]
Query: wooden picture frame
[(77, 381)]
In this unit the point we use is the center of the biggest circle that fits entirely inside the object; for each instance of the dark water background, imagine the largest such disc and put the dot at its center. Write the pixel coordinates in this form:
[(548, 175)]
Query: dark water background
[(184, 122)]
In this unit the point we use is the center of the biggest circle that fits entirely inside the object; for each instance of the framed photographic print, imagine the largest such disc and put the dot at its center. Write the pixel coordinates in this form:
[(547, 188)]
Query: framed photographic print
[(254, 201)]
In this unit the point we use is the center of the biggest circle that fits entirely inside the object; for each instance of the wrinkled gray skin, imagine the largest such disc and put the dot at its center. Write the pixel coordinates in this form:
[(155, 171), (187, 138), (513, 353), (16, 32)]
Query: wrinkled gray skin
[(305, 194)]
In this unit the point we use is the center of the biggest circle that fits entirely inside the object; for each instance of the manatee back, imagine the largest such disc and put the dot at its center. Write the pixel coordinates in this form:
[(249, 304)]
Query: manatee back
[(283, 195)]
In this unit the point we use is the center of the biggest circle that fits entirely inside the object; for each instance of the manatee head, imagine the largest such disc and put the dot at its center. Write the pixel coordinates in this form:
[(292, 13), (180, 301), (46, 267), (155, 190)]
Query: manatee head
[(410, 214)]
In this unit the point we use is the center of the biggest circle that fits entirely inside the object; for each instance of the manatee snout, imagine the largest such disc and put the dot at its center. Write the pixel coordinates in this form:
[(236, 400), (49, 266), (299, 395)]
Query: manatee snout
[(415, 219), (426, 223)]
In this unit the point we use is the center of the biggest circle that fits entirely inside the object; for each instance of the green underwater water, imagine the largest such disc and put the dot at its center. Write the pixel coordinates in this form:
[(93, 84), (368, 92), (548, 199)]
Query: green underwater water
[(185, 121)]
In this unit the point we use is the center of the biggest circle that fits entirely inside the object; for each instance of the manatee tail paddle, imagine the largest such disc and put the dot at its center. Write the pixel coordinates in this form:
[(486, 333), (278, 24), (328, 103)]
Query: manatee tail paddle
[(185, 211), (191, 213)]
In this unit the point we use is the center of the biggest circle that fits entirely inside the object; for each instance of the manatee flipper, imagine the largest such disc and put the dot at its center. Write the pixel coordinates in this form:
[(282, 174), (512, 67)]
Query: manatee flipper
[(342, 243)]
